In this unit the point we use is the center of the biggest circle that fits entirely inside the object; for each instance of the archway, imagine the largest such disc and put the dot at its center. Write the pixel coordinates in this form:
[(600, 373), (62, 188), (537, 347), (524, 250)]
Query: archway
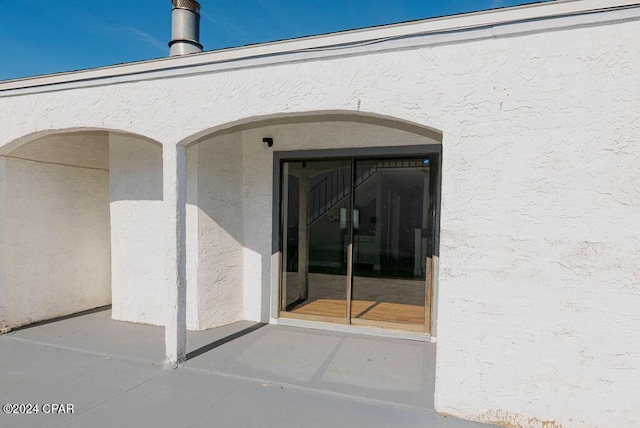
[(233, 200), (74, 209)]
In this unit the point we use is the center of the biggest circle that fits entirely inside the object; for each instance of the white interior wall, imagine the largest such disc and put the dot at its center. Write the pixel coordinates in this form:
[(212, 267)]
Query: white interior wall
[(138, 275), (57, 227)]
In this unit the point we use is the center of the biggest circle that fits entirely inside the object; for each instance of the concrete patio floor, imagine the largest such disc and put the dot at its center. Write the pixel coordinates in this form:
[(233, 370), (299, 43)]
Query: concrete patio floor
[(240, 375)]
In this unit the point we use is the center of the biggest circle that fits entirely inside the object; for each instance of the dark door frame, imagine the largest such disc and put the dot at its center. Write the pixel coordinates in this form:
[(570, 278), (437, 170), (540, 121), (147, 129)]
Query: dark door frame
[(279, 157)]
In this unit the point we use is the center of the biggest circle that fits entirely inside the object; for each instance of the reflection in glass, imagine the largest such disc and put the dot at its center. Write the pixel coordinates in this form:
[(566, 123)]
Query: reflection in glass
[(316, 198), (390, 240), (392, 218)]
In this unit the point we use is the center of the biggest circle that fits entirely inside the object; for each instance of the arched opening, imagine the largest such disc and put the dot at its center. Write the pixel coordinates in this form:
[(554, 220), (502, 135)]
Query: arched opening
[(76, 213), (236, 198)]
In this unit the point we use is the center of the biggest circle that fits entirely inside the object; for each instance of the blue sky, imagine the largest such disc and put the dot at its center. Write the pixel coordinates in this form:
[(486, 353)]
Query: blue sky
[(48, 36)]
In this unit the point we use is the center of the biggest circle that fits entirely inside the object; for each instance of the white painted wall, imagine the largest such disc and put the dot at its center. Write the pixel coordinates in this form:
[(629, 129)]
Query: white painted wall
[(215, 253), (539, 280), (57, 228), (192, 238), (139, 293)]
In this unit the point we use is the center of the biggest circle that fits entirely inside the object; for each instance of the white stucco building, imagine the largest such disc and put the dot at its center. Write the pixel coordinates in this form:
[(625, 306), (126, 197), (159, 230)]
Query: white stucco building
[(472, 179)]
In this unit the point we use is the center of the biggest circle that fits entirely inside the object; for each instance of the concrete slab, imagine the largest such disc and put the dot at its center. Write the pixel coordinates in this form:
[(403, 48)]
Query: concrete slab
[(264, 407), (94, 331), (241, 375), (35, 374), (172, 399), (398, 371)]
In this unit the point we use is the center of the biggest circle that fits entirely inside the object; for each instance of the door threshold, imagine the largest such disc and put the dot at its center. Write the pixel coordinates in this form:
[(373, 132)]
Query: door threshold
[(355, 329)]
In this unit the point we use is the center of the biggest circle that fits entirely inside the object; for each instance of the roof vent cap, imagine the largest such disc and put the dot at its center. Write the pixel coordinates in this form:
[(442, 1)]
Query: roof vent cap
[(185, 27)]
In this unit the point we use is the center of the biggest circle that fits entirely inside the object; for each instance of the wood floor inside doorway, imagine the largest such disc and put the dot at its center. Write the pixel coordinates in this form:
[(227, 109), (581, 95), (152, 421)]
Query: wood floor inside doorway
[(366, 310)]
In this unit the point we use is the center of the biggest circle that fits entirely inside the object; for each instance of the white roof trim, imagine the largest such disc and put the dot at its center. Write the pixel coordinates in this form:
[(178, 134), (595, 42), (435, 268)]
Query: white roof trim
[(457, 28)]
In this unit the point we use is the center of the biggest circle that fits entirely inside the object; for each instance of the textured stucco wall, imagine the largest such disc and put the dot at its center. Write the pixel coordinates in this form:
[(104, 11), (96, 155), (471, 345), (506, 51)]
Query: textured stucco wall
[(539, 279), (57, 227), (192, 238), (214, 255), (539, 282), (138, 284)]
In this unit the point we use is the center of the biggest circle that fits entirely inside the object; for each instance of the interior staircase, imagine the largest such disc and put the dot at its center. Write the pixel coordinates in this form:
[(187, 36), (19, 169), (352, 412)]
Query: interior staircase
[(333, 189)]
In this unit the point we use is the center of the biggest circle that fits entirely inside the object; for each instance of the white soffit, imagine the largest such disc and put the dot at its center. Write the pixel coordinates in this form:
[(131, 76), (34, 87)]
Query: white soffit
[(450, 29)]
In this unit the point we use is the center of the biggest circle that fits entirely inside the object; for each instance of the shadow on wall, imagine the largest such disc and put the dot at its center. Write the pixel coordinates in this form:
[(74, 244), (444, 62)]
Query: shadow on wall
[(136, 168), (215, 238)]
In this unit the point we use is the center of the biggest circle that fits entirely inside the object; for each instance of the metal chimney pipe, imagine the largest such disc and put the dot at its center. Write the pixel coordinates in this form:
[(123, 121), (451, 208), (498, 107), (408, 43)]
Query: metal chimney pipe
[(185, 28)]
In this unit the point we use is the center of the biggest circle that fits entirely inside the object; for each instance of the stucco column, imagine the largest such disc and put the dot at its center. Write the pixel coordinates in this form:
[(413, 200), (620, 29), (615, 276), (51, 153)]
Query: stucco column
[(5, 298), (174, 162)]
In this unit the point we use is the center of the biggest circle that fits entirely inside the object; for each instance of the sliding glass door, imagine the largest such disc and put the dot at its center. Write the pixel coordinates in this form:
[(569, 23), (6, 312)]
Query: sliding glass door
[(316, 230), (357, 240), (389, 242)]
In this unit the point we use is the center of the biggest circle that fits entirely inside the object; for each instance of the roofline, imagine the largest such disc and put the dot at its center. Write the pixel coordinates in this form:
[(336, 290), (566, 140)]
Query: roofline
[(352, 38)]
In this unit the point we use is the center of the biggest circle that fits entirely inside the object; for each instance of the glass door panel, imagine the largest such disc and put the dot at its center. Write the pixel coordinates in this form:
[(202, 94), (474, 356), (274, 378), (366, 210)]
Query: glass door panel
[(315, 236), (391, 219)]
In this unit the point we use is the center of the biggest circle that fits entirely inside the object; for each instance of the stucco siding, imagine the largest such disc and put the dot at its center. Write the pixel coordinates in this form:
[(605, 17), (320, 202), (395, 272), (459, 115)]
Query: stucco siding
[(57, 228), (192, 238), (138, 272), (220, 231), (538, 274)]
